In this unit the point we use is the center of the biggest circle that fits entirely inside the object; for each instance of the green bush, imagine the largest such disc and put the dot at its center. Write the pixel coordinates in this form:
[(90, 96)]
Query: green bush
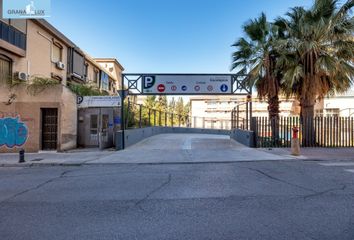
[(86, 90)]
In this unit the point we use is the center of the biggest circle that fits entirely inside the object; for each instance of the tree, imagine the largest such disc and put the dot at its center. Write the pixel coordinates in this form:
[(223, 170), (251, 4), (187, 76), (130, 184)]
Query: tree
[(317, 55), (256, 56), (171, 111), (187, 109), (130, 115), (180, 110), (150, 104), (180, 106), (162, 103), (161, 106), (172, 105)]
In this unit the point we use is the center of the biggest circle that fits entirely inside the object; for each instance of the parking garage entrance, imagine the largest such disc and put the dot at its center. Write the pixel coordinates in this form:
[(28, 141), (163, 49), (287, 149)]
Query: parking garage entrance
[(183, 85)]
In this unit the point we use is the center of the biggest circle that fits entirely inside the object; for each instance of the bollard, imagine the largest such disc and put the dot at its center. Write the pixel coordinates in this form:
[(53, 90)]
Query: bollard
[(295, 142), (21, 156)]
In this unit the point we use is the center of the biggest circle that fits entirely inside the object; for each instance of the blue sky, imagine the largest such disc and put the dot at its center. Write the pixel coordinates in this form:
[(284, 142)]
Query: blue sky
[(162, 36)]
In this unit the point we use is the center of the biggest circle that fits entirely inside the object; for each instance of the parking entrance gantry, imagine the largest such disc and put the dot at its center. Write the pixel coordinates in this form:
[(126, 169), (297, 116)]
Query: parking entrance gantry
[(182, 84)]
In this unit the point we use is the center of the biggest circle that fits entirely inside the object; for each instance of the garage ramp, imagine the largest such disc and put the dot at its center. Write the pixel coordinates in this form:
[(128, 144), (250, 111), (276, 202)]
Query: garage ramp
[(188, 148)]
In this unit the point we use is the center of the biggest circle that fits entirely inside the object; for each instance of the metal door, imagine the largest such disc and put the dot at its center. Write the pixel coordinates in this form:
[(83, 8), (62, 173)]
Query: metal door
[(49, 128), (94, 130)]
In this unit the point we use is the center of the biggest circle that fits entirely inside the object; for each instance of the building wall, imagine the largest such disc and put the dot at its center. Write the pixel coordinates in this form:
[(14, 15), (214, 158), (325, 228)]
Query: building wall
[(38, 61), (215, 111), (38, 58), (212, 111), (39, 53), (114, 70), (341, 106), (28, 109), (17, 102), (92, 71)]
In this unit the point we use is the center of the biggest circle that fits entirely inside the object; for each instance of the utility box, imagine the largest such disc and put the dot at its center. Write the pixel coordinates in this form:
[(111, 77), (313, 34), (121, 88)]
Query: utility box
[(119, 140)]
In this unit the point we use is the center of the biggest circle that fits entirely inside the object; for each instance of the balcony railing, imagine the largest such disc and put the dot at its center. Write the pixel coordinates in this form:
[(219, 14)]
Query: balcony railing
[(12, 35)]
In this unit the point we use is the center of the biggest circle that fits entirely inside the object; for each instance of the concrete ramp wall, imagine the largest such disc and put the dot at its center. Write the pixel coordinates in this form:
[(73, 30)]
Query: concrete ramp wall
[(244, 137), (133, 136)]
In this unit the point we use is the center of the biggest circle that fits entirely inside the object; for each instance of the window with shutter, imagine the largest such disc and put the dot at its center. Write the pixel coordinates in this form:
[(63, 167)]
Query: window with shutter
[(5, 69)]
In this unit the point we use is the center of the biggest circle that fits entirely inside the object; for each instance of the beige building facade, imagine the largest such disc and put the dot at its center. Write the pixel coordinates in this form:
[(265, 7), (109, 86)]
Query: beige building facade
[(44, 118), (114, 68), (215, 111), (341, 105)]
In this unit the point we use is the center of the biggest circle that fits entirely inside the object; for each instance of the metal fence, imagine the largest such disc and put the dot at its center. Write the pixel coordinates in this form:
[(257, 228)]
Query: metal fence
[(241, 116), (313, 132), (139, 116)]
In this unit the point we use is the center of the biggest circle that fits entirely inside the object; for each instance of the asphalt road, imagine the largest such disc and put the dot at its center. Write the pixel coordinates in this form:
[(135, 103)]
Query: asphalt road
[(261, 200), (293, 199)]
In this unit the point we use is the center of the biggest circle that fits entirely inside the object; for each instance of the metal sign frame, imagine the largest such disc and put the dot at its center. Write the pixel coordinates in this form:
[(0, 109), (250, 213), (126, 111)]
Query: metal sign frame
[(134, 88), (135, 84)]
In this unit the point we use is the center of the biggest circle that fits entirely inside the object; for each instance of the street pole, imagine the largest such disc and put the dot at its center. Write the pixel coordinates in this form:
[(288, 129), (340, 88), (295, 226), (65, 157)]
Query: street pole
[(251, 107), (154, 117), (247, 112), (237, 116), (122, 111), (140, 112), (160, 118)]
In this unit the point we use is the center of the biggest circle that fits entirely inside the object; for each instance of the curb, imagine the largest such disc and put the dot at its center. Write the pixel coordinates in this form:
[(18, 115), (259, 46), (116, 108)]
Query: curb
[(137, 163), (40, 164)]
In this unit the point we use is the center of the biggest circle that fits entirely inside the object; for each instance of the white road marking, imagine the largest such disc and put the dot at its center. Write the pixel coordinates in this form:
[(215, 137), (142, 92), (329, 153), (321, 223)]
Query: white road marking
[(337, 164), (187, 145)]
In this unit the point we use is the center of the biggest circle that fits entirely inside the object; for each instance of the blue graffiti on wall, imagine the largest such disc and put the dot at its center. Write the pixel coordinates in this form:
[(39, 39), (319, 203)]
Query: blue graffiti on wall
[(13, 133)]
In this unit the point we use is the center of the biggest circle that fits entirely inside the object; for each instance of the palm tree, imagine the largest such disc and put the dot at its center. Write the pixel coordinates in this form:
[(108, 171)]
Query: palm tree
[(256, 56), (317, 55)]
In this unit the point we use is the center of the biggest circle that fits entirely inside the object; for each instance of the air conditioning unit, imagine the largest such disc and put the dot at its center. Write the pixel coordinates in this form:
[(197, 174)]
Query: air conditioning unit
[(22, 76), (60, 65)]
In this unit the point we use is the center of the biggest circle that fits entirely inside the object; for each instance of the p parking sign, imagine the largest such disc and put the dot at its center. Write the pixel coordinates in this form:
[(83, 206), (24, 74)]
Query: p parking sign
[(148, 81)]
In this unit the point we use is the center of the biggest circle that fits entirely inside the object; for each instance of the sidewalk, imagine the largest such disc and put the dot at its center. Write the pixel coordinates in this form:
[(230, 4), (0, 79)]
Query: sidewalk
[(75, 157), (325, 154), (134, 156)]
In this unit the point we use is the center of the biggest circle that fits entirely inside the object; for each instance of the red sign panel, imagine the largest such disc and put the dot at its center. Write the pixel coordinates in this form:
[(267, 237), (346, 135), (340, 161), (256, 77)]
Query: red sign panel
[(161, 88)]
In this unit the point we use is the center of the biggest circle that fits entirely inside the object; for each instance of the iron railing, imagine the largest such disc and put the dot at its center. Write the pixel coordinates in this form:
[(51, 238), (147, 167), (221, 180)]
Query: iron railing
[(313, 132), (139, 116), (12, 35), (241, 116)]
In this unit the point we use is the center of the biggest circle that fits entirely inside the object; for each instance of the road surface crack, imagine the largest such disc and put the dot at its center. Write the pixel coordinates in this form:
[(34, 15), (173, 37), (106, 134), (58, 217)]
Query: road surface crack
[(342, 188), (147, 196), (282, 181), (62, 175)]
